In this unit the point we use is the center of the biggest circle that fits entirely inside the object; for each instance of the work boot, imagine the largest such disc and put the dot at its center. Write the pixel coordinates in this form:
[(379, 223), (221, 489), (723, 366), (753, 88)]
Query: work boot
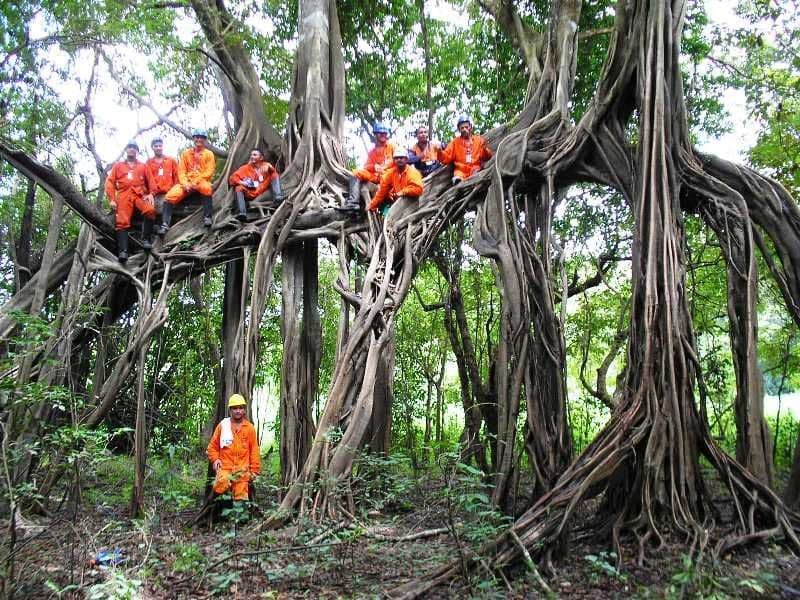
[(241, 206), (275, 188), (122, 245), (147, 234), (456, 180), (352, 202), (207, 211), (166, 218)]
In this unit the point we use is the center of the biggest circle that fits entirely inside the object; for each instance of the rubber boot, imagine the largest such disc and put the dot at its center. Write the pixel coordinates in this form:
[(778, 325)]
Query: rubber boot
[(352, 202), (207, 211), (241, 206), (147, 234), (122, 245), (166, 218), (275, 188)]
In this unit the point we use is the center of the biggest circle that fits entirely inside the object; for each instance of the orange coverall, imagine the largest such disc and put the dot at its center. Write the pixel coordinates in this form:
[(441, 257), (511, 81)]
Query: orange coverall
[(127, 185), (377, 156), (263, 173), (161, 176), (240, 460), (197, 169), (466, 154), (395, 184), (430, 153)]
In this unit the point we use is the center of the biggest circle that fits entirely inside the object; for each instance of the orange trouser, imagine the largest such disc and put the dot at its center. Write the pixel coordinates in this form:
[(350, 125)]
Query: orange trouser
[(176, 193), (238, 480), (126, 202), (364, 175)]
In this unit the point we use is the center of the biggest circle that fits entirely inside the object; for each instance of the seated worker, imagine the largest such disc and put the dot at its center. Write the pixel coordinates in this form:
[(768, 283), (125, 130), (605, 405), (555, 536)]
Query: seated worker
[(401, 179), (424, 154), (161, 171), (195, 172), (252, 179), (468, 151), (233, 451), (126, 188), (378, 159)]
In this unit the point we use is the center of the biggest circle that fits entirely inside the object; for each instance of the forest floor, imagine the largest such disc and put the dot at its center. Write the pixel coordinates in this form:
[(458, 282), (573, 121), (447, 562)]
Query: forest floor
[(164, 558)]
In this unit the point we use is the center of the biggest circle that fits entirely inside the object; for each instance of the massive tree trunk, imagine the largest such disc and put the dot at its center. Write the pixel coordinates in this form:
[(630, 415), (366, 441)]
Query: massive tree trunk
[(301, 355)]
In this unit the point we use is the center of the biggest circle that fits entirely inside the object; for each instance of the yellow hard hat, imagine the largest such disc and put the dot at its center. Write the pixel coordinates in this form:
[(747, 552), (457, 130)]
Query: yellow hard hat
[(236, 400)]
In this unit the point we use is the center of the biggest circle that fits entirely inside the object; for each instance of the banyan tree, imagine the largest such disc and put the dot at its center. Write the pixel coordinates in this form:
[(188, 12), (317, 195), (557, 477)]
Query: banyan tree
[(633, 138)]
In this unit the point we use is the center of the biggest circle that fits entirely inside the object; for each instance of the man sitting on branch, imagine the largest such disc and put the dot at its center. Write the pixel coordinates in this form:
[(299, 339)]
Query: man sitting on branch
[(424, 155), (398, 181), (253, 179), (195, 172), (468, 152), (378, 160), (162, 172), (126, 188)]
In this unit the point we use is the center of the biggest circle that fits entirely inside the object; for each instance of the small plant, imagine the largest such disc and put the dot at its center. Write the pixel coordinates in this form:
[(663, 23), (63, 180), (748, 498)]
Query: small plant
[(604, 564), (188, 557), (221, 584), (116, 587)]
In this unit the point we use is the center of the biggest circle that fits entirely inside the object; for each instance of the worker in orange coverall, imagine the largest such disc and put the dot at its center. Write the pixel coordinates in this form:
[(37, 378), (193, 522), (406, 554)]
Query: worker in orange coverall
[(126, 189), (195, 172), (378, 160), (161, 172), (468, 151), (399, 180), (252, 179), (233, 451)]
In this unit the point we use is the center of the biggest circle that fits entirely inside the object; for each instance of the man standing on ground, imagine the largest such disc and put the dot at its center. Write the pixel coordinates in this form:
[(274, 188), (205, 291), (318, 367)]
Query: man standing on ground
[(399, 180), (468, 151), (378, 160), (252, 179), (195, 172), (126, 188), (424, 154), (233, 451)]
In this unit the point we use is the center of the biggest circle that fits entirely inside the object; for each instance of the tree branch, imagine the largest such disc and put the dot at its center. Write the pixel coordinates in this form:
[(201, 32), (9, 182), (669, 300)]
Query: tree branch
[(54, 183)]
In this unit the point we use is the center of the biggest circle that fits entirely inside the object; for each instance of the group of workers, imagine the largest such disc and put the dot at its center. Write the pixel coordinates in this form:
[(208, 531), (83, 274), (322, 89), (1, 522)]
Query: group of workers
[(398, 172), (135, 186)]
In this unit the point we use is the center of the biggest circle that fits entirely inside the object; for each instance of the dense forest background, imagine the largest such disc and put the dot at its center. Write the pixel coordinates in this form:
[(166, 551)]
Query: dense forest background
[(101, 422)]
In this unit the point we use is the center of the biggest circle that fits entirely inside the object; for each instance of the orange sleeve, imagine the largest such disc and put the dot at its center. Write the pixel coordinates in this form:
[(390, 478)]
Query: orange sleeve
[(255, 452), (383, 190), (413, 186), (237, 176), (370, 164), (174, 164), (183, 179), (213, 445), (207, 165), (486, 152), (149, 178), (111, 190), (447, 155)]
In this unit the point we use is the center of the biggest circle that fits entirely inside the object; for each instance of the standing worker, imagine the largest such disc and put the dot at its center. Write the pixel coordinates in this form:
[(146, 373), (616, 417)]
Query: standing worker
[(161, 172), (233, 451), (424, 154), (195, 172), (468, 151), (126, 188), (252, 179), (378, 160), (399, 180)]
